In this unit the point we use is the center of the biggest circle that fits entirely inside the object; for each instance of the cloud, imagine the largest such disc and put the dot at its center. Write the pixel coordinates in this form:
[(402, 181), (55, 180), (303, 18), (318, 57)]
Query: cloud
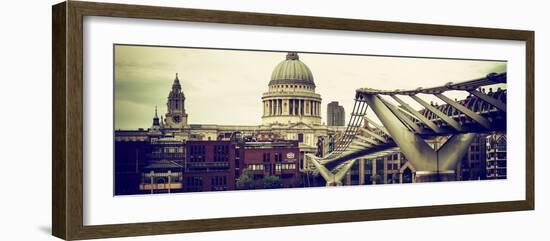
[(225, 86)]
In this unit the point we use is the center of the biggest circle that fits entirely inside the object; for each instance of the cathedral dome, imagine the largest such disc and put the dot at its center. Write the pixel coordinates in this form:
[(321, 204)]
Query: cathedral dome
[(291, 71)]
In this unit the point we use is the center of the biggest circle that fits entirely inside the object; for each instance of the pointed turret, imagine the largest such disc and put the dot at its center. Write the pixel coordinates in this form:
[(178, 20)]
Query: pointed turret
[(156, 118), (176, 89), (176, 116)]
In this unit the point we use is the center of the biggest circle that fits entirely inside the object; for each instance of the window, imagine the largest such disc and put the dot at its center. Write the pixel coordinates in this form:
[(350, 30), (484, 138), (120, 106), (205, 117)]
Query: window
[(501, 144), (278, 157), (300, 137), (221, 153), (267, 157), (255, 167), (196, 153), (285, 166), (194, 181)]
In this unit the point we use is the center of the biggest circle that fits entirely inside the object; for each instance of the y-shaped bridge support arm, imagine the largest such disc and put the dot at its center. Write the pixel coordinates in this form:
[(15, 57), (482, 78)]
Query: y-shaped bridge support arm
[(332, 179), (417, 151)]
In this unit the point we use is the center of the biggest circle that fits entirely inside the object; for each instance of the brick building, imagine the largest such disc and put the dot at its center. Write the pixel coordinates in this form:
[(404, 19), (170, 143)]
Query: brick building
[(273, 158), (210, 166)]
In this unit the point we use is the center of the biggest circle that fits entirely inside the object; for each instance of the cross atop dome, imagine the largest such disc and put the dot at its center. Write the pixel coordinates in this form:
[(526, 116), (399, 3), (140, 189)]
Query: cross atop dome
[(292, 56)]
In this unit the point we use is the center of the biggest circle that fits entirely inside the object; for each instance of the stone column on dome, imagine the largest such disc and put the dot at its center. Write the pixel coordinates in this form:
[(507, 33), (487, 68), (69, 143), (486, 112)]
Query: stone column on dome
[(299, 107), (297, 101), (285, 106), (319, 114), (280, 106), (294, 105), (303, 111), (291, 106), (270, 107), (302, 107), (275, 107), (316, 108)]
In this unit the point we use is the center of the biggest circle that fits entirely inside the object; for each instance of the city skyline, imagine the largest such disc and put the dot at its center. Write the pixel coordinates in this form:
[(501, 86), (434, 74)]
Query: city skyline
[(225, 127), (234, 80)]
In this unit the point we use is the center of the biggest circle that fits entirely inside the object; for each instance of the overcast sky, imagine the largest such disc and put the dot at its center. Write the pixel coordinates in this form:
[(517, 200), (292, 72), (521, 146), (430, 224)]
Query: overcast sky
[(225, 86)]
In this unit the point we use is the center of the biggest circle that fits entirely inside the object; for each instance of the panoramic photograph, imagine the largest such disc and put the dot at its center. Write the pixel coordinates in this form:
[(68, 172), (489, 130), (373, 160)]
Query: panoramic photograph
[(201, 119)]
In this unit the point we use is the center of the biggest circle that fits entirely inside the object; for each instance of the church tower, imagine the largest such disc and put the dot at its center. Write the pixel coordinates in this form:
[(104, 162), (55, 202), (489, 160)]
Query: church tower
[(155, 128), (176, 116), (156, 122)]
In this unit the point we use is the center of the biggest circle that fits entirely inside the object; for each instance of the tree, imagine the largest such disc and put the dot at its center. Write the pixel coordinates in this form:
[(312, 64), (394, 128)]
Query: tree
[(245, 181), (271, 182)]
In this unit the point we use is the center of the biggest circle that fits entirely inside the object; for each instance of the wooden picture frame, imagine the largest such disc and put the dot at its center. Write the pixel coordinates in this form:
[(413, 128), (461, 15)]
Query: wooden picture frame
[(67, 124)]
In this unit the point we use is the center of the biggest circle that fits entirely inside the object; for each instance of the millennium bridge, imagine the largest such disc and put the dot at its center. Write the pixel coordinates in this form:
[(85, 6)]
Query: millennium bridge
[(406, 129)]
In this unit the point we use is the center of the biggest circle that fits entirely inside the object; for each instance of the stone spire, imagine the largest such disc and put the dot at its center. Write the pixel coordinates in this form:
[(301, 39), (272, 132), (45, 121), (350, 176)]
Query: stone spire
[(156, 118), (176, 80), (176, 91)]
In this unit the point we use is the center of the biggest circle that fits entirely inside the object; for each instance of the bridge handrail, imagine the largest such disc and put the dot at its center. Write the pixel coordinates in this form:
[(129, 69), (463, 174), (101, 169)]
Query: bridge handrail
[(490, 79)]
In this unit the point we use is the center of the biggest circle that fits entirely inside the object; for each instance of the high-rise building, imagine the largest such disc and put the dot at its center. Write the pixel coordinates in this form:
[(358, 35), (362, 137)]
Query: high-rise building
[(336, 115), (496, 156), (473, 164)]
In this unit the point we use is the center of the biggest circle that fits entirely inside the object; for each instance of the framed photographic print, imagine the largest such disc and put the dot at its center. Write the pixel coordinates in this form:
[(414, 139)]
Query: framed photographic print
[(213, 120)]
